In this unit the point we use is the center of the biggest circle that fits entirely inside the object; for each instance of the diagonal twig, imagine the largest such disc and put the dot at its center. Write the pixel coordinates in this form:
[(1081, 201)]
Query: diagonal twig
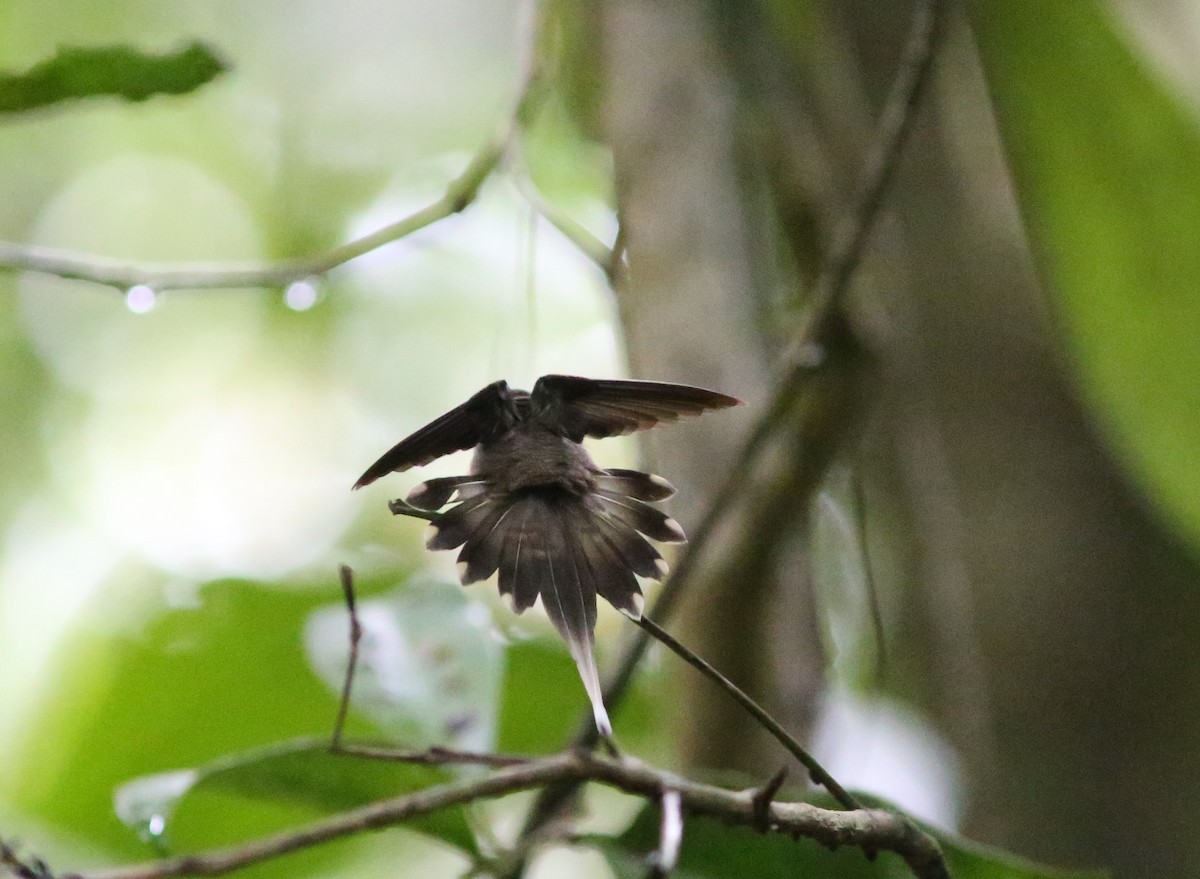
[(587, 243), (347, 578), (764, 796), (815, 770)]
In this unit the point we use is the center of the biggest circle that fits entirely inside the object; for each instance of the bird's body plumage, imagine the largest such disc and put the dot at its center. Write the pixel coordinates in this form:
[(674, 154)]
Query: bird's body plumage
[(538, 510)]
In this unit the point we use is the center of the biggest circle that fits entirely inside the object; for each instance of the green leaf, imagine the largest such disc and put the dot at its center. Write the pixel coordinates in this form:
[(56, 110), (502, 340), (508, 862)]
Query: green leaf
[(301, 772), (220, 672), (714, 849), (118, 71), (543, 699), (1107, 166), (430, 664)]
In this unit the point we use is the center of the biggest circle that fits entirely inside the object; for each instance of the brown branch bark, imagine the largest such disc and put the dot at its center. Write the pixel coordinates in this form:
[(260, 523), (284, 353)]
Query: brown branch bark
[(868, 829)]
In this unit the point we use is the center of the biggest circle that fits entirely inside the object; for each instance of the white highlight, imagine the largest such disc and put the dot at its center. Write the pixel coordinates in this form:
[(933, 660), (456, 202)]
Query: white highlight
[(639, 602), (603, 724), (889, 749), (677, 528), (661, 483), (139, 298), (301, 295), (431, 533), (218, 486), (671, 832)]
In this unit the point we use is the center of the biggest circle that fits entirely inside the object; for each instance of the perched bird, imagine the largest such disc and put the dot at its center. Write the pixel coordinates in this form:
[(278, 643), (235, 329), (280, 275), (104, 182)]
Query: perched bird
[(538, 509)]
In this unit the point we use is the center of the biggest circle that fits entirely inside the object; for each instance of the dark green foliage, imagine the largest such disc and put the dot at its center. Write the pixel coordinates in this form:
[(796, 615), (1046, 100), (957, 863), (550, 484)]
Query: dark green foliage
[(115, 71)]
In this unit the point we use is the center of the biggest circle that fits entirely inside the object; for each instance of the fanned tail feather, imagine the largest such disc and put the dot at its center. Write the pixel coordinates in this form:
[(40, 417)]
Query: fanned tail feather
[(640, 516), (635, 484), (570, 601), (564, 548), (453, 528)]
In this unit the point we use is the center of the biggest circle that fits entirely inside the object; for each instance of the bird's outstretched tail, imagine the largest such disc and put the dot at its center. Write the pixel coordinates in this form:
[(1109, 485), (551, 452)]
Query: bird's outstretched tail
[(564, 548)]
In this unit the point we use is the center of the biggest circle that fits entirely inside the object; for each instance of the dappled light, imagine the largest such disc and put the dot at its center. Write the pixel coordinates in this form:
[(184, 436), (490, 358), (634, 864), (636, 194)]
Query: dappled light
[(927, 270)]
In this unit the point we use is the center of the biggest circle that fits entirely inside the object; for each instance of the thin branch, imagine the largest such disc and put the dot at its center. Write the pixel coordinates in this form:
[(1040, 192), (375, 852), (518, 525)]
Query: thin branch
[(616, 265), (269, 273), (764, 796), (769, 723), (435, 756), (459, 194), (587, 243), (869, 829), (21, 867), (874, 607), (347, 578)]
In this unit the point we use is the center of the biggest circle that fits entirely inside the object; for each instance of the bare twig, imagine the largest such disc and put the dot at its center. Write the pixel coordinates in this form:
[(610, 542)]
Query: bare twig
[(616, 264), (764, 796), (867, 828), (347, 577), (22, 867), (435, 756), (123, 274), (769, 723), (587, 243), (875, 609)]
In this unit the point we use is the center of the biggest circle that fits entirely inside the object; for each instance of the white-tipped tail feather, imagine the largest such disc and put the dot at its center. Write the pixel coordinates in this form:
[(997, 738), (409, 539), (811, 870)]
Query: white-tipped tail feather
[(560, 547)]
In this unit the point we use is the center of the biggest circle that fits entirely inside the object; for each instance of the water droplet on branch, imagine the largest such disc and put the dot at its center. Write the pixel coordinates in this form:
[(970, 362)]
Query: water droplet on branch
[(140, 298), (302, 295)]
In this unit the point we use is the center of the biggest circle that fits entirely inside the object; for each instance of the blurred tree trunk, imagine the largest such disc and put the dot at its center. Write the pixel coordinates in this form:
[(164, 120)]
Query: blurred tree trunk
[(689, 310), (1041, 599)]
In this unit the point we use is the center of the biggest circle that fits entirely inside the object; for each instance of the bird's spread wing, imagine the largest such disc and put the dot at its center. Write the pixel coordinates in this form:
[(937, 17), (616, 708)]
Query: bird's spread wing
[(480, 419), (580, 407)]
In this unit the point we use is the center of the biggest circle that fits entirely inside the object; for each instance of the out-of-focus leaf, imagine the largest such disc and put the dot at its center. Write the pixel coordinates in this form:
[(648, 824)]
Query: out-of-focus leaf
[(543, 704), (430, 665), (217, 675), (117, 71), (714, 849), (543, 698), (302, 772), (1107, 170)]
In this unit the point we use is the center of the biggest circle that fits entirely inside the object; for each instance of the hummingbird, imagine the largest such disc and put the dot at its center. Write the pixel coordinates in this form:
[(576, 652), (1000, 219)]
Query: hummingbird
[(537, 508)]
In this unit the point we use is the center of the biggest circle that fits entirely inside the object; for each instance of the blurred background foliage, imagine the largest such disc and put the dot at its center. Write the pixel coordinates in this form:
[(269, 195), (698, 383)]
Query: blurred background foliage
[(175, 500)]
